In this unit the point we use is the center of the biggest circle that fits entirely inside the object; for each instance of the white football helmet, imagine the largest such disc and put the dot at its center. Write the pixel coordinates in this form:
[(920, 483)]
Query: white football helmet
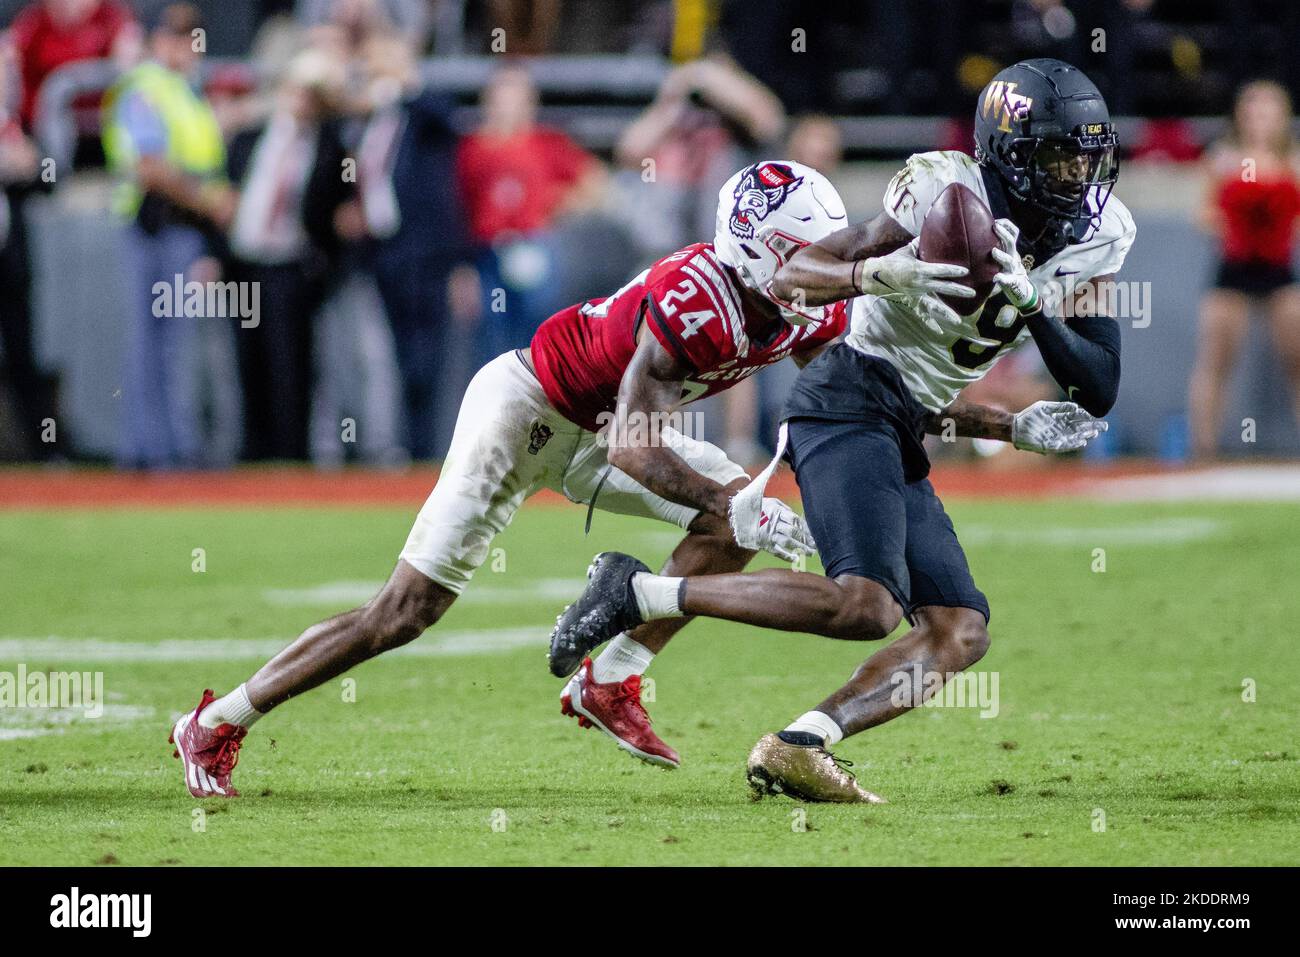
[(768, 211)]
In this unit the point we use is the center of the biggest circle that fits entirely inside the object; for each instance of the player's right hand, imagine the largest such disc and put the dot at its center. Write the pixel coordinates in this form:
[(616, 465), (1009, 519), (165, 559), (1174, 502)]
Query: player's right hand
[(903, 272), (769, 525)]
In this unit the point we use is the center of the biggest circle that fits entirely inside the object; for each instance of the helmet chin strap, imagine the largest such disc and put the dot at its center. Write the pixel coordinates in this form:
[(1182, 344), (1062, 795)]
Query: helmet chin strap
[(784, 309), (792, 317)]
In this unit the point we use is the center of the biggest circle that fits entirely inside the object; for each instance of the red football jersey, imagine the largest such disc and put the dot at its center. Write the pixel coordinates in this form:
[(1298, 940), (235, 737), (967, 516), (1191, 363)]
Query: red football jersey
[(692, 308)]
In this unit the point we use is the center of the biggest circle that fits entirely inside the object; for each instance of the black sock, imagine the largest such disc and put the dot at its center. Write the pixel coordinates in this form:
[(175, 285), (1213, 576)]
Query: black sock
[(803, 739)]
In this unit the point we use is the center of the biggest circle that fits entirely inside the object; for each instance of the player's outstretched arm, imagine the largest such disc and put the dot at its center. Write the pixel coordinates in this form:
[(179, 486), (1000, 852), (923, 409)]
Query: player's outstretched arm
[(651, 390), (877, 257), (649, 393), (1042, 427), (971, 421)]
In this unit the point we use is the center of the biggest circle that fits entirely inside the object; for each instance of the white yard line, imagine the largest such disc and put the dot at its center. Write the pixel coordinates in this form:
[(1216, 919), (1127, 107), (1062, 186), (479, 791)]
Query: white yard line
[(1157, 532), (18, 723), (59, 648), (21, 723), (481, 591), (1235, 483)]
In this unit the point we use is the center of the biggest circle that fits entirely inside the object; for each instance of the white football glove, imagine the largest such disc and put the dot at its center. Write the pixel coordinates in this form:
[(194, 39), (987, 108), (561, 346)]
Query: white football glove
[(942, 319), (904, 273), (1054, 427), (769, 525), (1014, 279)]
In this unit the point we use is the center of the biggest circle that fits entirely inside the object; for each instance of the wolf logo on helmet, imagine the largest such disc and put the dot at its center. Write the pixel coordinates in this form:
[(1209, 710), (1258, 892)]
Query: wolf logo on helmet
[(762, 188), (766, 213)]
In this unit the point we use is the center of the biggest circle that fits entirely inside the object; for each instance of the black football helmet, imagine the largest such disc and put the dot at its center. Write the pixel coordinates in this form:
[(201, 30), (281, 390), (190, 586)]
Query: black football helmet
[(1043, 127)]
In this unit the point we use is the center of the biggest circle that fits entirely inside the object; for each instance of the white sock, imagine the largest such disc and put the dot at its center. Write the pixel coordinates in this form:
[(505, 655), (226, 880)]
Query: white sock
[(621, 659), (656, 595), (234, 708), (814, 722)]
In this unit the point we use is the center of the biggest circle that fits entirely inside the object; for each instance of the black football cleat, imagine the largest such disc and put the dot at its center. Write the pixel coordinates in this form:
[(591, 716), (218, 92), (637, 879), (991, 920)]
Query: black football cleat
[(606, 608)]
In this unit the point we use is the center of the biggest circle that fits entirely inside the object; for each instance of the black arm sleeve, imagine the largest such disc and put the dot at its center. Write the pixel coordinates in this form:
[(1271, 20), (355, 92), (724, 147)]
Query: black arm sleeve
[(1082, 354)]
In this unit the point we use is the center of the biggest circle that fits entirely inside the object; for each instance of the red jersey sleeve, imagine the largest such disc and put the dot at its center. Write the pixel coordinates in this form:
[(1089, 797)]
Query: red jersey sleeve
[(691, 311)]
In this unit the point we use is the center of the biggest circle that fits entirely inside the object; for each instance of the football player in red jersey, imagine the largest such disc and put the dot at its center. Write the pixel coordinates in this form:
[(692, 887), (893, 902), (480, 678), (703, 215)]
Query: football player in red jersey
[(588, 410)]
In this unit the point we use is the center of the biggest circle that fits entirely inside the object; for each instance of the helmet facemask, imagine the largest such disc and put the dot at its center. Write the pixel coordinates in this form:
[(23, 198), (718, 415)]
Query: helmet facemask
[(783, 247), (1069, 178)]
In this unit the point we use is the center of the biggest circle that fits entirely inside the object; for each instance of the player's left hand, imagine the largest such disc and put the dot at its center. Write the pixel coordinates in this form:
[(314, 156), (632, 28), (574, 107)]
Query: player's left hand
[(1054, 427), (772, 526), (1014, 279), (942, 319)]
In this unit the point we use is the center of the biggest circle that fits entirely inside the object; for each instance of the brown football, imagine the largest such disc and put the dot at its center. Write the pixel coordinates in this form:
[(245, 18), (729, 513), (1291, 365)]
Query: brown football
[(958, 229)]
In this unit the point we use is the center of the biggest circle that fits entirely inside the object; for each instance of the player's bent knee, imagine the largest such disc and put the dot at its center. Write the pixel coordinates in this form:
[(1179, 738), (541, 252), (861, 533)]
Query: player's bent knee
[(865, 611), (972, 639), (711, 526), (962, 631)]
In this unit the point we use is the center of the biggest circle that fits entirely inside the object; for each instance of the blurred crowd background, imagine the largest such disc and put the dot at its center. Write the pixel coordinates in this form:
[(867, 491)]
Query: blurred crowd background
[(412, 186)]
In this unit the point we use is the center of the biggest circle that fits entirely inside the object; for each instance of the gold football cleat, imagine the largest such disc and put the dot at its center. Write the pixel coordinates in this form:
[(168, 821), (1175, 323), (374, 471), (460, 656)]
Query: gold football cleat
[(803, 772)]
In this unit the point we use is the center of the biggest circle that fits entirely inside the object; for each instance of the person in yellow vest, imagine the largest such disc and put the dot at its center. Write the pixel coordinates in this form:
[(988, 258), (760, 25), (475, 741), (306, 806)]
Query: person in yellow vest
[(163, 141)]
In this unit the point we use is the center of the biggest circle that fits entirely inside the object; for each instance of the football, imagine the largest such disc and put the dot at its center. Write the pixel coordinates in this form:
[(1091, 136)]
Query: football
[(958, 229)]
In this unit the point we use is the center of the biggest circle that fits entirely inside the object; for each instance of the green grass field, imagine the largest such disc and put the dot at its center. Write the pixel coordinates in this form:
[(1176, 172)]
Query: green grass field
[(1120, 701)]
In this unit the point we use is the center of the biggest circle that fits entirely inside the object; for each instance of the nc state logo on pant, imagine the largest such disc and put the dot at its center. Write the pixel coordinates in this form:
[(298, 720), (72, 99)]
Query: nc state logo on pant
[(539, 436)]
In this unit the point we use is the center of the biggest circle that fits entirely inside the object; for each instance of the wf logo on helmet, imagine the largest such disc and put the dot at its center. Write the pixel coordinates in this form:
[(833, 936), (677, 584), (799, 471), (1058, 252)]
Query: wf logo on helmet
[(762, 189), (1002, 100)]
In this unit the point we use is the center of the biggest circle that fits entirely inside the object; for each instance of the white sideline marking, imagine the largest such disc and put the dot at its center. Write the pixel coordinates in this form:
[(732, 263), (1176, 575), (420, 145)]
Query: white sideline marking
[(433, 644), (1236, 483), (1167, 531), (18, 723), (479, 592)]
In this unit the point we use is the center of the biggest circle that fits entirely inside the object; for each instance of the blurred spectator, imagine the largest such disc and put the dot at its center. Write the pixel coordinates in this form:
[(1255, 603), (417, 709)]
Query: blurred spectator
[(516, 178), (363, 20), (1253, 205), (233, 95), (708, 118), (408, 207), (51, 33), (815, 140), (529, 25), (1168, 139), (288, 174), (356, 377), (20, 176), (162, 138)]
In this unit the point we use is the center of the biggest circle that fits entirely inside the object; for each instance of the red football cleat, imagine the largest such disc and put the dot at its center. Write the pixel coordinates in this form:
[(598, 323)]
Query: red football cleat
[(616, 709), (208, 755)]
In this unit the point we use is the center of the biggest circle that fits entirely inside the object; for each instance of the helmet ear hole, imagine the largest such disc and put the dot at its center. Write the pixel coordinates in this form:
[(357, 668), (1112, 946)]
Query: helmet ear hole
[(749, 251)]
